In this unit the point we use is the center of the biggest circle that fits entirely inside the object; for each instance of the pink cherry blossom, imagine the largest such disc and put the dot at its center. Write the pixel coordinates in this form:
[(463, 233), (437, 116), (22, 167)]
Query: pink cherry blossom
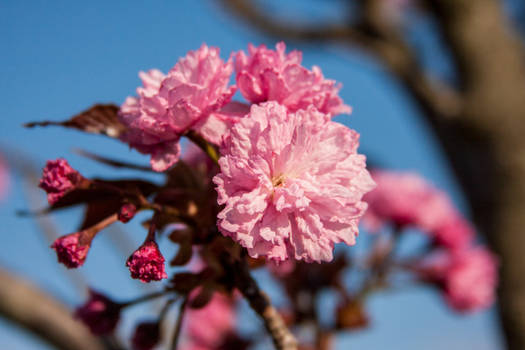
[(190, 97), (206, 328), (397, 198), (407, 199), (147, 263), (71, 250), (468, 277), (58, 178), (454, 232), (291, 184), (99, 313), (272, 75)]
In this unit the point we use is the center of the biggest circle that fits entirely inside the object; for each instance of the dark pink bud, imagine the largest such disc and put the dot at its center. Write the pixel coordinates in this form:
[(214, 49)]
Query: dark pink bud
[(70, 249), (58, 178), (147, 263), (99, 313), (127, 212), (146, 336)]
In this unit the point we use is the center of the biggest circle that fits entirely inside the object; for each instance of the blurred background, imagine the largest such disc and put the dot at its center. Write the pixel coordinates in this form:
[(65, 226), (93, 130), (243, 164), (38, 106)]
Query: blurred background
[(61, 57)]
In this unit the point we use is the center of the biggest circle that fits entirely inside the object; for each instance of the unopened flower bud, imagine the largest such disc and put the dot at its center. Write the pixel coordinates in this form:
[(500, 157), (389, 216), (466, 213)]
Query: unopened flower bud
[(58, 178), (127, 212), (70, 249), (147, 263)]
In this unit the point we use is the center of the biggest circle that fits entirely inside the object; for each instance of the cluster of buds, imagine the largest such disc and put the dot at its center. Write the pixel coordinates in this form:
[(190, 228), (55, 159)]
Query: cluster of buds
[(60, 180)]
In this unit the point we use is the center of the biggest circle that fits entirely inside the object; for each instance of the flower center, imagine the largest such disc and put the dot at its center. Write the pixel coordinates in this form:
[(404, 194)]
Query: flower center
[(278, 180)]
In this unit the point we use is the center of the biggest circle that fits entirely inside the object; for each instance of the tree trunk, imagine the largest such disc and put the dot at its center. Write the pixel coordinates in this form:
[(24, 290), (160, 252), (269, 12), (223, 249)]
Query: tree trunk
[(492, 167)]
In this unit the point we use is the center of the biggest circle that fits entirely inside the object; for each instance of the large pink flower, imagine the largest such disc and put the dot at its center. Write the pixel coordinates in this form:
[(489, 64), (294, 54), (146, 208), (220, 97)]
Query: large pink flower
[(272, 75), (291, 184), (468, 277), (407, 199), (189, 97)]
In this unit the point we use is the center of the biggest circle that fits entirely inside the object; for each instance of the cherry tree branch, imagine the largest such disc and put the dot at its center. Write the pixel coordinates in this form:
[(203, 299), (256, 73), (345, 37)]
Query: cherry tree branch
[(36, 311), (372, 34), (282, 338)]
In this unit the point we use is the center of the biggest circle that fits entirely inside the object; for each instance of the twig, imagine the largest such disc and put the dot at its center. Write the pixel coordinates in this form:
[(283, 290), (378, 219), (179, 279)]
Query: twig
[(433, 95), (282, 338), (178, 325), (144, 298), (34, 310), (204, 145)]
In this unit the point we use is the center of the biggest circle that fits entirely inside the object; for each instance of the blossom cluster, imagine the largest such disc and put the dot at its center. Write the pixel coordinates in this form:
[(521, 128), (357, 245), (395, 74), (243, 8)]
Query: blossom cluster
[(269, 179), (291, 180), (465, 272)]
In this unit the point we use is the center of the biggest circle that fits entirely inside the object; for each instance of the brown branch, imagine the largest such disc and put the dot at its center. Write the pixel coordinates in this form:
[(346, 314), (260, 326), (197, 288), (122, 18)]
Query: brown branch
[(34, 310), (491, 62), (246, 10), (282, 338), (372, 35), (178, 324)]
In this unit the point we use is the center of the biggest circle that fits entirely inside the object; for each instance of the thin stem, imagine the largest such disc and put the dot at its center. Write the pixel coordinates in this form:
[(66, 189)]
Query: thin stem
[(204, 145), (145, 298), (378, 274), (166, 308), (282, 338), (178, 325), (89, 233)]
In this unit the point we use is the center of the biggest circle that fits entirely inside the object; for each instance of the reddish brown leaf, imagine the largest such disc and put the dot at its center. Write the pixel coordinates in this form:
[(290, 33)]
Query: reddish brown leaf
[(351, 315), (184, 239), (203, 297), (97, 211), (99, 119), (112, 162), (185, 282)]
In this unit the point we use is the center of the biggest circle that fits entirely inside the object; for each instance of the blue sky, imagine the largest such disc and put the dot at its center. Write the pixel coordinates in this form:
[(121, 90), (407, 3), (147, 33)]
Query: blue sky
[(60, 57)]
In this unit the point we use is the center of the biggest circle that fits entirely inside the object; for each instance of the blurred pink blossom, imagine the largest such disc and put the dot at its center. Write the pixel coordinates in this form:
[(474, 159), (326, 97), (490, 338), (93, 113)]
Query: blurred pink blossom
[(207, 327), (272, 75), (291, 183), (99, 313), (406, 199), (467, 277)]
